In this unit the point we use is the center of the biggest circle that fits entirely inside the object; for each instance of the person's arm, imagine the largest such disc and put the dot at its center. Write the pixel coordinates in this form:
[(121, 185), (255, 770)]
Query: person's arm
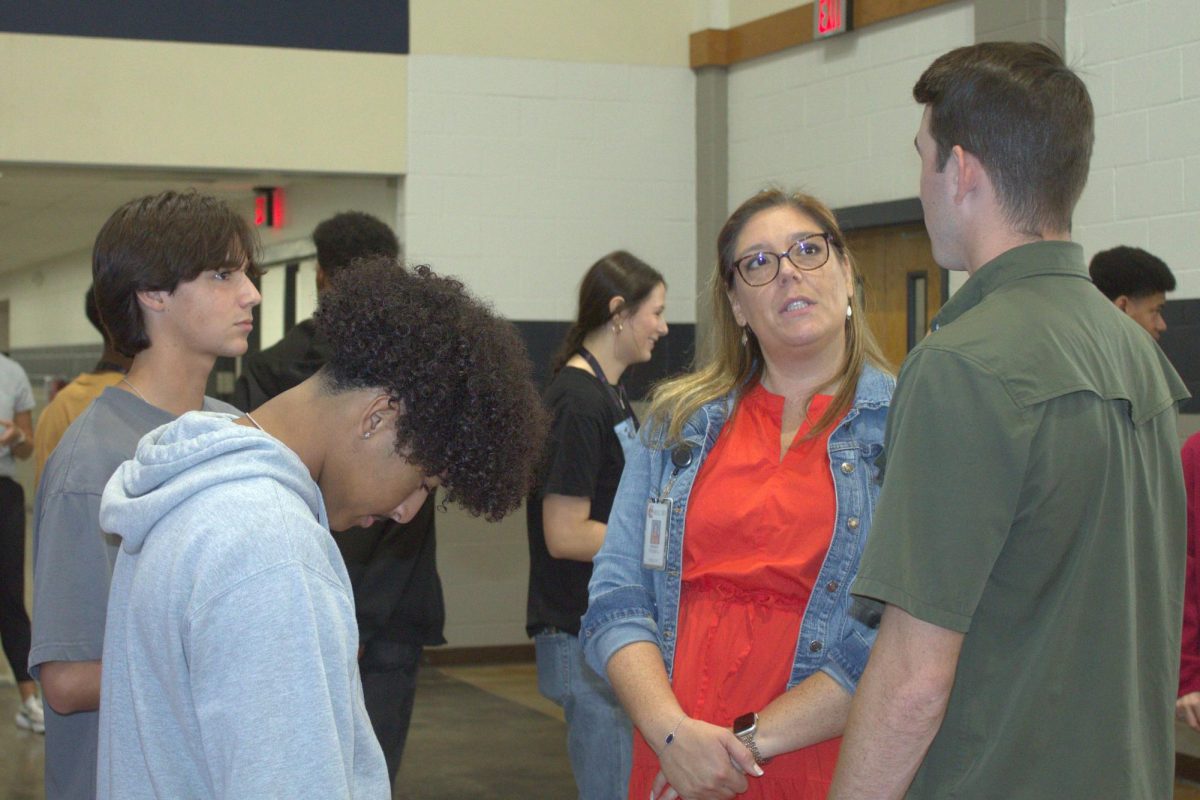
[(898, 708), (1187, 707), (812, 711), (702, 761), (70, 598), (71, 686), (570, 531), (18, 434)]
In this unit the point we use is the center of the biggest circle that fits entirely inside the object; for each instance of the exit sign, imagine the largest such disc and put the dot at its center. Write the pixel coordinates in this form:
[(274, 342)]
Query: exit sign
[(830, 17)]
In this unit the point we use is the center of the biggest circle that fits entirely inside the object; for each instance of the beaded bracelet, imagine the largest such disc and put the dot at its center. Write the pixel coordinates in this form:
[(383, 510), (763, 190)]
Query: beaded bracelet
[(671, 735)]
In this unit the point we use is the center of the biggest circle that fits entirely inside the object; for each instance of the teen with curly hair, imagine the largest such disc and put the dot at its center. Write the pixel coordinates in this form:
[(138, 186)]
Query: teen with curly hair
[(227, 575)]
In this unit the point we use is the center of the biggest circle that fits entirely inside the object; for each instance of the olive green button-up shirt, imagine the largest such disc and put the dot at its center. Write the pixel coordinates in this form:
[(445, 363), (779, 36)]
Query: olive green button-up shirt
[(1033, 500)]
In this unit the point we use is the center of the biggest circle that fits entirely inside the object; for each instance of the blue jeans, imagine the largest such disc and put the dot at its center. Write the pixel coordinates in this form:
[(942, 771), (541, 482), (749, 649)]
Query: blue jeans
[(599, 735)]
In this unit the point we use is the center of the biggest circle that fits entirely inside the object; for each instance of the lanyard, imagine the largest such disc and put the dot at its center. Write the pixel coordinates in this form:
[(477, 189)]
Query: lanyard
[(617, 393)]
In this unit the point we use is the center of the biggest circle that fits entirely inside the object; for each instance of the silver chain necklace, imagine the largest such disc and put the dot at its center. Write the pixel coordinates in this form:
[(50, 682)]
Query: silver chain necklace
[(125, 381)]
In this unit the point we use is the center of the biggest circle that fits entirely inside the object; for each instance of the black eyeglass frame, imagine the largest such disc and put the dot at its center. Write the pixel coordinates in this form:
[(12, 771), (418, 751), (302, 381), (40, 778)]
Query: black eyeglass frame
[(830, 243)]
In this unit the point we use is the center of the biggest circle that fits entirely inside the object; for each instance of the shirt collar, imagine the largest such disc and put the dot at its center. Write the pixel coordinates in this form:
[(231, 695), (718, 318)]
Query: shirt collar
[(1024, 261)]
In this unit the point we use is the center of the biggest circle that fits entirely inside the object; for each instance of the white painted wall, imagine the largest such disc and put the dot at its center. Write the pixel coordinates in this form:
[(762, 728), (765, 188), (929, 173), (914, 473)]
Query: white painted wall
[(521, 174), (1141, 62), (836, 118)]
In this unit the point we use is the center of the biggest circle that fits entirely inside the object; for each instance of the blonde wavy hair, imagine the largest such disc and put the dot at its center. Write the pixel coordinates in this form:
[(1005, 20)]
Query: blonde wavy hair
[(735, 367)]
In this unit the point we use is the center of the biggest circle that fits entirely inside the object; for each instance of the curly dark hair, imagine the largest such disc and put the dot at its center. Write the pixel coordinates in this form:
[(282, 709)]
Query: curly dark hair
[(351, 235), (460, 373), (1130, 271)]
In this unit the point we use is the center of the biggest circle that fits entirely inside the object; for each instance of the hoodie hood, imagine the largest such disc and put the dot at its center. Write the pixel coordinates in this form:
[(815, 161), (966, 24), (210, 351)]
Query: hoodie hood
[(185, 457)]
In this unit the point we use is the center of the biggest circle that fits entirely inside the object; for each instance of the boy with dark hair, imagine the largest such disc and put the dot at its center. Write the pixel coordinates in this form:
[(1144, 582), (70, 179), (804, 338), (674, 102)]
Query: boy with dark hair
[(227, 574), (1137, 283), (392, 566), (172, 278)]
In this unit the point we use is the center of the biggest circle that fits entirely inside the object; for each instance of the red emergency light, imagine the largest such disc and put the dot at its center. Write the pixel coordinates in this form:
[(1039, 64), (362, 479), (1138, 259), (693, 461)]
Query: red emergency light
[(830, 17), (268, 206)]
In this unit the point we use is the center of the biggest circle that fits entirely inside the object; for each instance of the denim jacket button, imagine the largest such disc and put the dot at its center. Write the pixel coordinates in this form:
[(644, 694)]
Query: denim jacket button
[(815, 645), (852, 523), (668, 634), (847, 468), (832, 586)]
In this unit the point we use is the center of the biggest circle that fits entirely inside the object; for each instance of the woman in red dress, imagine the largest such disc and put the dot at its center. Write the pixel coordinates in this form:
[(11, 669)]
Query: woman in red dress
[(733, 648)]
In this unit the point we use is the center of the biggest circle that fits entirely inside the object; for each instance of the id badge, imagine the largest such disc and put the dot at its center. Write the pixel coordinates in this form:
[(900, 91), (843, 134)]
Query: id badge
[(654, 545)]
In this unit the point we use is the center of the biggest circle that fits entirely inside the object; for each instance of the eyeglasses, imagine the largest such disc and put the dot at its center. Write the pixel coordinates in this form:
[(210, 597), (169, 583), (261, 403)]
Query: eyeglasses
[(808, 253)]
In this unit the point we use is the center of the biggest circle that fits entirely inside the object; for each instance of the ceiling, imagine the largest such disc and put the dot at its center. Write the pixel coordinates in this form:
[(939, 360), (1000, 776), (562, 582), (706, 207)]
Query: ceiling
[(50, 214)]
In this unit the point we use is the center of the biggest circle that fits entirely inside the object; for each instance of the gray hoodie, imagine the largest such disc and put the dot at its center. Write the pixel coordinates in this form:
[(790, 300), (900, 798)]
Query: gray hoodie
[(230, 653)]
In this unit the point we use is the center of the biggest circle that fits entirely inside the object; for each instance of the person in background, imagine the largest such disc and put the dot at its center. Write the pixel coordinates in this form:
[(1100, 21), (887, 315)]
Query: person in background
[(719, 603), (16, 441), (1027, 554), (620, 318), (392, 566), (70, 401), (1187, 705), (1137, 283), (230, 660), (172, 274)]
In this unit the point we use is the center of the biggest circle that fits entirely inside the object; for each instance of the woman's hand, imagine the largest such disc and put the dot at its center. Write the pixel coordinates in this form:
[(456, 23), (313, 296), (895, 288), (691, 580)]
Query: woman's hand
[(703, 762), (1187, 709)]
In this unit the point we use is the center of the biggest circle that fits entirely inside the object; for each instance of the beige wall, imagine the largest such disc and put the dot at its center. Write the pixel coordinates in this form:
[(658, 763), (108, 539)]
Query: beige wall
[(743, 11), (603, 31), (75, 100)]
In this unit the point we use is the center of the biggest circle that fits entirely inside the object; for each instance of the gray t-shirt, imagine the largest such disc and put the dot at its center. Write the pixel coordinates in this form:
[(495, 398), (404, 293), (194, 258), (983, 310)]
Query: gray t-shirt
[(15, 397), (73, 562)]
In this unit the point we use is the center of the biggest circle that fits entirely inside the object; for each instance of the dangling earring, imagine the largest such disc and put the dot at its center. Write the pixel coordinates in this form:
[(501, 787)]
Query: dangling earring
[(616, 327), (849, 311), (745, 338)]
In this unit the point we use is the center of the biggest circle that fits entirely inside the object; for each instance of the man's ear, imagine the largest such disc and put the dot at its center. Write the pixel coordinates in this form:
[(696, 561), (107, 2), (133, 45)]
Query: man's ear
[(153, 300), (1122, 302), (968, 171), (322, 279), (376, 415)]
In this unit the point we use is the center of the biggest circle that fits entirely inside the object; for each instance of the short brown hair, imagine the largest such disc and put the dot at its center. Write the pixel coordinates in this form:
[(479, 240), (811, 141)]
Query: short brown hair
[(155, 243), (1026, 116)]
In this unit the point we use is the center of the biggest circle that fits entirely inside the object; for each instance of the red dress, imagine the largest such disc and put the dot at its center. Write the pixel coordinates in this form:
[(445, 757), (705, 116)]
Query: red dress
[(1189, 666), (758, 529)]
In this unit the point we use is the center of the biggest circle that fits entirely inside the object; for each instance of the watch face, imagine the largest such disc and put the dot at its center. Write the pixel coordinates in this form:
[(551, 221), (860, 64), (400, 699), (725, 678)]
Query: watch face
[(745, 723)]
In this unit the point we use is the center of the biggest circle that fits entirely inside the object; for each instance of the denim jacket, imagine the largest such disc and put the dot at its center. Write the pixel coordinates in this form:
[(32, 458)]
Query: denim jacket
[(630, 603)]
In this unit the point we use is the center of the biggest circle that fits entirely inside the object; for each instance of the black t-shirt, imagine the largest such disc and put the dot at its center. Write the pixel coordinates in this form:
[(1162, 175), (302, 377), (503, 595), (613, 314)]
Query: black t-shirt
[(584, 459)]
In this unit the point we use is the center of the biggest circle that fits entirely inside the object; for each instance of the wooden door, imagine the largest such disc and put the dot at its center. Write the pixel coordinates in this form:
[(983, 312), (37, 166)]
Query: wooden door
[(902, 286)]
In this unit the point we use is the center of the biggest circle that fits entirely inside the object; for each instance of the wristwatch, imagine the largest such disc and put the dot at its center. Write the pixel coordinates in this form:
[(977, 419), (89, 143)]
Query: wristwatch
[(744, 728)]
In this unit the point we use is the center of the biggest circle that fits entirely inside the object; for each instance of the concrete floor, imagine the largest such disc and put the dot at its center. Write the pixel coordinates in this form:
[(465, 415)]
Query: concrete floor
[(478, 732)]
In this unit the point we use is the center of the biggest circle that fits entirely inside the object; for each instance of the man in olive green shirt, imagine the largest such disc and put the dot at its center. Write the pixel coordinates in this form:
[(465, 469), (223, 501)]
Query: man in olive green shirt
[(1029, 538)]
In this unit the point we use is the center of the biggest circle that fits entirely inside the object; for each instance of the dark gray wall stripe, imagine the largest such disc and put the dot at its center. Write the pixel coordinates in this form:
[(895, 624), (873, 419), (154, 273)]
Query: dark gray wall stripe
[(368, 26), (672, 355), (1181, 342), (875, 215)]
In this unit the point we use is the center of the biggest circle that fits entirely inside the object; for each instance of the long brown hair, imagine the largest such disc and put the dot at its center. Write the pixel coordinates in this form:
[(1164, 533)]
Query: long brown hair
[(618, 274), (734, 366)]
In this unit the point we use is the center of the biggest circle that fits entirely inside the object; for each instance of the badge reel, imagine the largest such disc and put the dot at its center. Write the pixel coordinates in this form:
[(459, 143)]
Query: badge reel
[(658, 514)]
